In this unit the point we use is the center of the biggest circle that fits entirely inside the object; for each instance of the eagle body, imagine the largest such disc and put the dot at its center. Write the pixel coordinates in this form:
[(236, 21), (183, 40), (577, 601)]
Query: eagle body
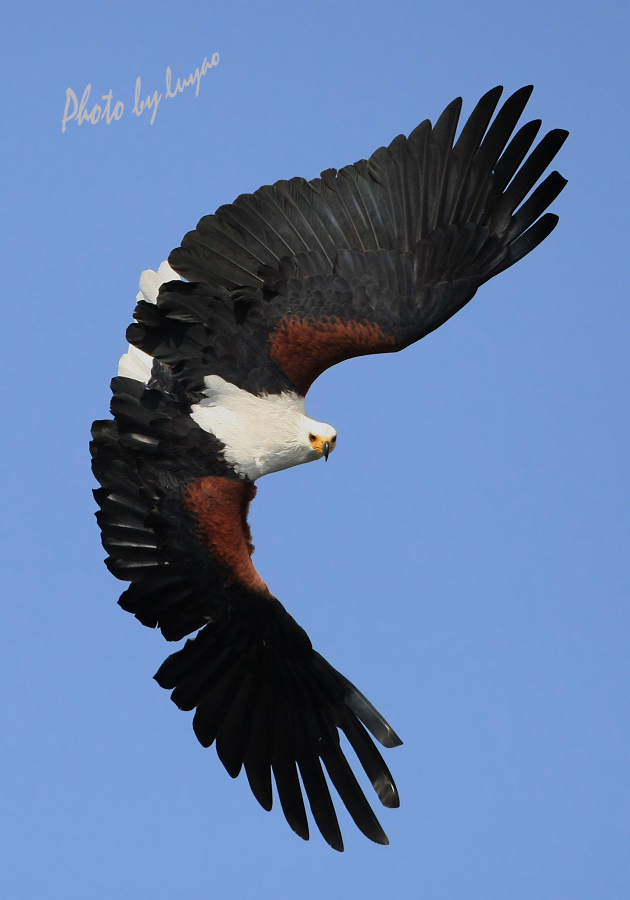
[(261, 434), (228, 336)]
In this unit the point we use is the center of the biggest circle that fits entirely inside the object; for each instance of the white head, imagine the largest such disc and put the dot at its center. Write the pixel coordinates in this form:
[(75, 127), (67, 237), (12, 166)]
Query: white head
[(317, 438), (261, 434)]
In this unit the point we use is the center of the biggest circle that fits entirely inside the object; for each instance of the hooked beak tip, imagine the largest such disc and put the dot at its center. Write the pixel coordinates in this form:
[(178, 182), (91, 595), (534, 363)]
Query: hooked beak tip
[(326, 450)]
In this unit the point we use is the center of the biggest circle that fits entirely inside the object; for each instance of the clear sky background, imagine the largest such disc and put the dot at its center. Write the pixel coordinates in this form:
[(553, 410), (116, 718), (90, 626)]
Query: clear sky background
[(463, 555)]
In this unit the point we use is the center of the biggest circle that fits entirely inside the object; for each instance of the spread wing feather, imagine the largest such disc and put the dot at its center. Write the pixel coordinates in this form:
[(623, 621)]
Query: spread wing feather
[(431, 217), (260, 692)]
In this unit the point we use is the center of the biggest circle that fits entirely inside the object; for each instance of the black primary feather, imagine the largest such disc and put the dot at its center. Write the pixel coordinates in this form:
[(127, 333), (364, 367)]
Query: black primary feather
[(278, 251)]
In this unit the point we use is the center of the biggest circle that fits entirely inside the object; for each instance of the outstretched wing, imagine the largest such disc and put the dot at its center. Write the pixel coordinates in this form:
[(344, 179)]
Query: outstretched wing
[(301, 275), (174, 522)]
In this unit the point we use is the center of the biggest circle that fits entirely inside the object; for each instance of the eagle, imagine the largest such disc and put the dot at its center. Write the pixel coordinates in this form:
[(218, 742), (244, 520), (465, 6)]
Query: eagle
[(228, 336)]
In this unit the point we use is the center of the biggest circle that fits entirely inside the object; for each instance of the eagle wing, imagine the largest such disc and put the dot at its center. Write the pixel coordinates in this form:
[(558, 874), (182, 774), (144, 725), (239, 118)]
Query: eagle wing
[(290, 280), (173, 517)]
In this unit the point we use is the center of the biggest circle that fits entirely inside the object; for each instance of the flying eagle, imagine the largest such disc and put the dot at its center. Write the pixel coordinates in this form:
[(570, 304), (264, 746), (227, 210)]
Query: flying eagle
[(279, 286)]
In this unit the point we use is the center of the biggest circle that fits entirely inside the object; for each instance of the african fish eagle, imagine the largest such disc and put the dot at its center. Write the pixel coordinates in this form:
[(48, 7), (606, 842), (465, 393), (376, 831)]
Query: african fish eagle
[(279, 286)]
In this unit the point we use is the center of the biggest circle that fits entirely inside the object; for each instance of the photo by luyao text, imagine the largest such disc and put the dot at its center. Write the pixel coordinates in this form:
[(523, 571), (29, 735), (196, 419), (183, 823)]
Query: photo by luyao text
[(111, 110)]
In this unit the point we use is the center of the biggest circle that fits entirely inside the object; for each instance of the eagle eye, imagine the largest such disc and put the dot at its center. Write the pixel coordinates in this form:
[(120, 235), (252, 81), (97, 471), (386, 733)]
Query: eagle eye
[(312, 438), (333, 439)]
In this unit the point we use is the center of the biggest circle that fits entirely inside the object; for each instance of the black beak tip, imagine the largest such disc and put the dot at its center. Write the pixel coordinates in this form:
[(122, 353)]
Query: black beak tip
[(326, 450)]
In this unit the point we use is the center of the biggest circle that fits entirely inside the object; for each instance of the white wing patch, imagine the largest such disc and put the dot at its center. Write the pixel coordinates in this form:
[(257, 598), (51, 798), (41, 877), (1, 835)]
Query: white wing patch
[(151, 282), (136, 363)]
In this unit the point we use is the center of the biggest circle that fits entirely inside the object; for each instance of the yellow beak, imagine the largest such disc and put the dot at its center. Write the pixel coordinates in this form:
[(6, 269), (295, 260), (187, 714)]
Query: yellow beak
[(323, 445)]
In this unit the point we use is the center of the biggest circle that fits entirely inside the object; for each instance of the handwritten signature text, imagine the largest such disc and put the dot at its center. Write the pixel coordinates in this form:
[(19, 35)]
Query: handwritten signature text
[(77, 110)]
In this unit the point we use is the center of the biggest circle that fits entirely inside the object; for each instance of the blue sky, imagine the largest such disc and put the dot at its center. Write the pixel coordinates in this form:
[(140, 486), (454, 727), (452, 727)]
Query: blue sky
[(462, 557)]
